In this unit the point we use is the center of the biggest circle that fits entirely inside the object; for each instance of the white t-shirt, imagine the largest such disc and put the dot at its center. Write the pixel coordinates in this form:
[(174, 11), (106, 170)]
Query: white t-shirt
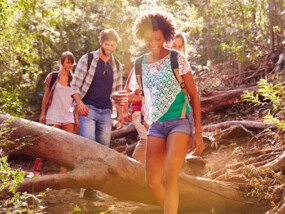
[(60, 106)]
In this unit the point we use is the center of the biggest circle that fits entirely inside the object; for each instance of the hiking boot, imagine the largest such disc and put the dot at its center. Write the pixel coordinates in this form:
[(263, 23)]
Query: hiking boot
[(92, 195)]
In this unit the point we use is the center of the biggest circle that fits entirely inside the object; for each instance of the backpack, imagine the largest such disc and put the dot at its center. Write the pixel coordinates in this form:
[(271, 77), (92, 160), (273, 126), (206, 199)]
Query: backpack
[(53, 79), (175, 70)]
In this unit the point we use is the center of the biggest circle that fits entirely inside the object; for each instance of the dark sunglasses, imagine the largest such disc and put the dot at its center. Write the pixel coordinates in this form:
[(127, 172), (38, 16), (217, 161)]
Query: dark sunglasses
[(105, 70)]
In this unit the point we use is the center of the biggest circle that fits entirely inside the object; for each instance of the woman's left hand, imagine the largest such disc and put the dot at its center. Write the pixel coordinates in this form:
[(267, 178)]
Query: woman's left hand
[(120, 122), (198, 144)]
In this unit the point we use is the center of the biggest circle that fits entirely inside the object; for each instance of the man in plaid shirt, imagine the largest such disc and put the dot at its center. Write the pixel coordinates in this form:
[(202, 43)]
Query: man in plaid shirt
[(92, 89)]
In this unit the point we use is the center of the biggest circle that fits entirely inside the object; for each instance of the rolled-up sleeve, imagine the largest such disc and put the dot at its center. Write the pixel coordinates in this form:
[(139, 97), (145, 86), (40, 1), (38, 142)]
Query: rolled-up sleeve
[(184, 66), (79, 75), (133, 84), (48, 79)]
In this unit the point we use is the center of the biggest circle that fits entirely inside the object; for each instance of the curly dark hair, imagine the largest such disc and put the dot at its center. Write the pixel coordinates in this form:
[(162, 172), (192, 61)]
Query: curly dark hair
[(155, 20)]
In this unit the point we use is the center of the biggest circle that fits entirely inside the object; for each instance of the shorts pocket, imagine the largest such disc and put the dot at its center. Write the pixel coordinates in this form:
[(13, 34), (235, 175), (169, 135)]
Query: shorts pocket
[(190, 118)]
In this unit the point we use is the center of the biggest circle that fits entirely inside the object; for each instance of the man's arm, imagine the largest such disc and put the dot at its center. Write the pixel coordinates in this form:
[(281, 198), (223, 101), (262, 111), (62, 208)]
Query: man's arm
[(82, 108), (76, 85), (120, 116), (79, 75), (122, 97)]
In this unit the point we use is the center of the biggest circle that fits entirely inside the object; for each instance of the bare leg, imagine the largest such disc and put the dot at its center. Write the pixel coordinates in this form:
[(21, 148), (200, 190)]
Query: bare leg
[(177, 145), (56, 126), (155, 157), (68, 127), (139, 152)]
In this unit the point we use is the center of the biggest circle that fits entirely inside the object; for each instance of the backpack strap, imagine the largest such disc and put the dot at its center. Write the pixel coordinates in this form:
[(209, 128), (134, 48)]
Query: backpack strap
[(175, 70), (54, 76), (138, 72), (90, 59), (173, 59), (117, 64)]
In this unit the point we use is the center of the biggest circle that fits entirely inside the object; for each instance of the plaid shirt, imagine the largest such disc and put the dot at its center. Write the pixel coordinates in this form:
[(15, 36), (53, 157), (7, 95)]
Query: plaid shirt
[(47, 83), (82, 78)]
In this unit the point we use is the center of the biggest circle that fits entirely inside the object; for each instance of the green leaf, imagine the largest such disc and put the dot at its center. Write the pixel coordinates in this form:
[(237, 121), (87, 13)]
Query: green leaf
[(76, 208)]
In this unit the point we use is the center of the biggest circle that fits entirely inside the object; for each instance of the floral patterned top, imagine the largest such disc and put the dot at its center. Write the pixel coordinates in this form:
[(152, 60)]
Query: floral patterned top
[(164, 98)]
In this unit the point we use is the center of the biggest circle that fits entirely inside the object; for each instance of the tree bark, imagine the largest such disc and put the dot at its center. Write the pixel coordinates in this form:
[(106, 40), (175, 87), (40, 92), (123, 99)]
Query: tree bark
[(208, 39), (126, 130), (270, 25), (220, 100), (94, 166), (247, 124)]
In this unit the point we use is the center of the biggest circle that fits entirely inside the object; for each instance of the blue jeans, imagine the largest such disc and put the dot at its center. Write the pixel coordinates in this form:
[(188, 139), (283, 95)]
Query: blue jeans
[(97, 125)]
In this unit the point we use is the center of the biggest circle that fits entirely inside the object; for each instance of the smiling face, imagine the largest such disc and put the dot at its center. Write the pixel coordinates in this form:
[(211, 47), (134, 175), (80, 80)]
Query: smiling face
[(67, 64), (108, 47), (154, 41), (178, 44)]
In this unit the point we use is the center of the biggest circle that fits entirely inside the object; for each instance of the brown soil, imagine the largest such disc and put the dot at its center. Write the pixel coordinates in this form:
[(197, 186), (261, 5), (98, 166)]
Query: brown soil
[(64, 201), (215, 157)]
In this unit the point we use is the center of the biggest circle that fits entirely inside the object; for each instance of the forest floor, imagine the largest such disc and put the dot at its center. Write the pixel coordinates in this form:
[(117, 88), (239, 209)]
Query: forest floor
[(235, 147), (64, 201)]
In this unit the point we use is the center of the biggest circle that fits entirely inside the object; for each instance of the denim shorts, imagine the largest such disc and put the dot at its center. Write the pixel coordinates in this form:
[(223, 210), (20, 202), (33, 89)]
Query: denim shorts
[(164, 128)]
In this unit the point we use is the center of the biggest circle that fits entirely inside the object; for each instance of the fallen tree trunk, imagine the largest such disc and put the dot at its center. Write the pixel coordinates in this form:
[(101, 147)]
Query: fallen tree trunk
[(219, 100), (94, 166), (126, 130)]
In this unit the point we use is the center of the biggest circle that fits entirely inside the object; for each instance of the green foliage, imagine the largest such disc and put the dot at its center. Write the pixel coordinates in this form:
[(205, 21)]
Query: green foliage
[(17, 143), (76, 209), (11, 179), (236, 29), (12, 103), (33, 34), (234, 49), (19, 68), (274, 94), (19, 202), (109, 209)]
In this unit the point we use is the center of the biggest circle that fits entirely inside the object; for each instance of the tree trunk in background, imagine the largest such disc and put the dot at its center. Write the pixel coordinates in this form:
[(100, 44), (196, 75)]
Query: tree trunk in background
[(127, 63), (280, 22), (270, 24), (253, 12), (94, 166), (208, 39)]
